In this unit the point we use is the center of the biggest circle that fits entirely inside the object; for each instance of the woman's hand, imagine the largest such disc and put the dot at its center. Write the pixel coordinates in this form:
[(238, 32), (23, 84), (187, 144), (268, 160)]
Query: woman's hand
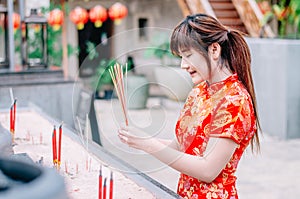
[(137, 138)]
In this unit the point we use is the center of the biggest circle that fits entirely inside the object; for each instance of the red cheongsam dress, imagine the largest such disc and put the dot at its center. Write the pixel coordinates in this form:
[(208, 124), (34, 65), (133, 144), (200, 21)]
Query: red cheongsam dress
[(221, 110)]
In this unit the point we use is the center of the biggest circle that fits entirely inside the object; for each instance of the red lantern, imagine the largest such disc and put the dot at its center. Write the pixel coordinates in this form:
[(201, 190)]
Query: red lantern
[(117, 12), (56, 18), (98, 15), (16, 21), (79, 16)]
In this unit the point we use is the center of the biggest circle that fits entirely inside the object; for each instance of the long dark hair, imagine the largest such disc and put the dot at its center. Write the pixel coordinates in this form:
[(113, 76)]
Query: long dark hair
[(199, 31)]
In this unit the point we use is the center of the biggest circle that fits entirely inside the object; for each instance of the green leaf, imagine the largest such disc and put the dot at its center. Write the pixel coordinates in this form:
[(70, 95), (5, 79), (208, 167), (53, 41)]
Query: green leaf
[(91, 50)]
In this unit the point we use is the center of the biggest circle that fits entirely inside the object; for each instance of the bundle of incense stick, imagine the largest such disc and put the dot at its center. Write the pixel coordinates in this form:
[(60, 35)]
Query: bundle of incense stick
[(116, 73)]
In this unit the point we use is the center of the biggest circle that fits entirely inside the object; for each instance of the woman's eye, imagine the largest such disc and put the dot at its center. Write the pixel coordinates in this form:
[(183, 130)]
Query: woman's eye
[(188, 55)]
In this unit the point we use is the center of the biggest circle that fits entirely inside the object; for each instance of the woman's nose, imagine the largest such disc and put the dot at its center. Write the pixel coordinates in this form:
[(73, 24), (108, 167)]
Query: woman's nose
[(184, 65)]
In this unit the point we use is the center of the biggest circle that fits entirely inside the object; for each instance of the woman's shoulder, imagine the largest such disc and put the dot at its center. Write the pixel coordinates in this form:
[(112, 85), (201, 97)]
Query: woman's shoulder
[(238, 99), (239, 91), (233, 95)]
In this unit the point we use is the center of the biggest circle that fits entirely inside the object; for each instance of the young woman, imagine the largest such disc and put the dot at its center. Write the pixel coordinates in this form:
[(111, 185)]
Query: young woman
[(219, 118)]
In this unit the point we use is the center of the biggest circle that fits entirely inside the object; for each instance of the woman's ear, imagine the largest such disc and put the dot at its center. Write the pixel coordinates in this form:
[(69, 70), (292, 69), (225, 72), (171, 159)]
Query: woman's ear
[(214, 51)]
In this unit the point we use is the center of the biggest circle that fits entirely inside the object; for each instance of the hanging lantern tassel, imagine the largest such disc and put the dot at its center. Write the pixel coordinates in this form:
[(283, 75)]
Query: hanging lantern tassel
[(79, 16), (117, 12), (56, 18), (98, 15)]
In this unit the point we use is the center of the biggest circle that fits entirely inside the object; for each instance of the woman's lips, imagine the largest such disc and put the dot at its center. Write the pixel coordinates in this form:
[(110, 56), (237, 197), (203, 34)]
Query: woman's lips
[(192, 73)]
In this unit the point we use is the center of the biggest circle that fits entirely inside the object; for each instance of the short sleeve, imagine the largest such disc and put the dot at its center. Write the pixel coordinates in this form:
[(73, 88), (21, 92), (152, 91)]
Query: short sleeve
[(231, 119)]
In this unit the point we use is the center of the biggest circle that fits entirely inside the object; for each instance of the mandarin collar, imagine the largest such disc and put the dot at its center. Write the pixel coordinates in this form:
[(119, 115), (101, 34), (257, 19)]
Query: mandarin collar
[(214, 87)]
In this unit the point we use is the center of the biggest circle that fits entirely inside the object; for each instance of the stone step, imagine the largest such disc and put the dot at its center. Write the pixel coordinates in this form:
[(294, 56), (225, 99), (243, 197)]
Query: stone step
[(226, 14), (231, 21), (222, 5)]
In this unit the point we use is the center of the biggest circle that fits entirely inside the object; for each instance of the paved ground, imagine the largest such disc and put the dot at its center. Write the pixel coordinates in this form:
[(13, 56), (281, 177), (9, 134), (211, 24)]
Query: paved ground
[(273, 174)]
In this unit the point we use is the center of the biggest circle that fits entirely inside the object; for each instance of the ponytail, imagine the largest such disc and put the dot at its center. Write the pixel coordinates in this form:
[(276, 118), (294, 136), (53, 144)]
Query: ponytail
[(239, 61)]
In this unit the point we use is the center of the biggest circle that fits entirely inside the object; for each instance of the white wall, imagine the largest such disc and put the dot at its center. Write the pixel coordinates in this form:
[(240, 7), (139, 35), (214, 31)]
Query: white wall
[(276, 69), (35, 4)]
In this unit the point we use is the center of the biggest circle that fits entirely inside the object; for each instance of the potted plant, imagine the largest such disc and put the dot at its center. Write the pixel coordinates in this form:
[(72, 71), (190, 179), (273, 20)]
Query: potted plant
[(285, 14), (102, 82)]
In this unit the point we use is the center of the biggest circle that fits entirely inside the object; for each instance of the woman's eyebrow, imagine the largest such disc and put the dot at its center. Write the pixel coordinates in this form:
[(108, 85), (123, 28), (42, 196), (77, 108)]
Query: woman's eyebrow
[(184, 51)]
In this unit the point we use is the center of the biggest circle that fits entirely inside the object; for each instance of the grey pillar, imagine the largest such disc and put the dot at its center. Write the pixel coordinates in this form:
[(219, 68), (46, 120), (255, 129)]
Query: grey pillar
[(22, 16), (11, 44)]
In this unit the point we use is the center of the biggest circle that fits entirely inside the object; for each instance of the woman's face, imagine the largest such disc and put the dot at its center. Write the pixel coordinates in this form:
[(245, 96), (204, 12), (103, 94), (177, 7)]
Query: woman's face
[(196, 65)]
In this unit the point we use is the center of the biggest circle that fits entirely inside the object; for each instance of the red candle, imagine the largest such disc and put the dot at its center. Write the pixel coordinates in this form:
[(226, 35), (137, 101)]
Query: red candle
[(54, 146), (59, 145), (14, 115), (100, 184), (111, 185), (11, 119), (104, 189)]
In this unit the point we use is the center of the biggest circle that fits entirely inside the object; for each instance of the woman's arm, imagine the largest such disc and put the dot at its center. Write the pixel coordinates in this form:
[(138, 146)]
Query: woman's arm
[(170, 143), (205, 168)]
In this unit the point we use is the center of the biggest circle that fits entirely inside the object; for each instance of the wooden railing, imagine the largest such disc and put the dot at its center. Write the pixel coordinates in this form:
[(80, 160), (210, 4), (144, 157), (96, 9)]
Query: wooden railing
[(248, 11), (195, 6), (190, 7), (207, 7), (251, 17)]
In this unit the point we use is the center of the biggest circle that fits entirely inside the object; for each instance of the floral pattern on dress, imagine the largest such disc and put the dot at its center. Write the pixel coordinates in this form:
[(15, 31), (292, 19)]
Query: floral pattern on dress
[(223, 109)]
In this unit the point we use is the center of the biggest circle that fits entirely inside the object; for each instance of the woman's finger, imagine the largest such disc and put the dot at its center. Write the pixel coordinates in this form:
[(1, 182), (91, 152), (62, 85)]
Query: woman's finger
[(123, 138), (127, 134), (123, 132)]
